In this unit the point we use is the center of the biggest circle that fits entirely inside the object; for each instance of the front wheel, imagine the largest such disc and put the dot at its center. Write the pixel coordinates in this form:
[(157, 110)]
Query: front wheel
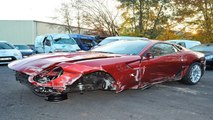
[(193, 75)]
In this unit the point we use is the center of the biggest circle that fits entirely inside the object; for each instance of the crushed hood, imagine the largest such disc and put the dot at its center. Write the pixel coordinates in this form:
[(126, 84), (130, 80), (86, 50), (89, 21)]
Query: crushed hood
[(38, 62)]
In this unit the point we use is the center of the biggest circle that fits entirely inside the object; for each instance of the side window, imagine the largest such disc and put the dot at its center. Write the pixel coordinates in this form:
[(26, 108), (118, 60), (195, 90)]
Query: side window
[(77, 41), (85, 41), (47, 42), (182, 44), (162, 49)]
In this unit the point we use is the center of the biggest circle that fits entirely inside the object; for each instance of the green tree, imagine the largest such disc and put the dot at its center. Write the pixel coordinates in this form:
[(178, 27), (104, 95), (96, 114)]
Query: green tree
[(197, 14), (152, 16), (129, 15)]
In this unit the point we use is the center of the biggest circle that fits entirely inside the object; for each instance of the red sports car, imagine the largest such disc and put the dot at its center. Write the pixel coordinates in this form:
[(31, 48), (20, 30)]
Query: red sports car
[(116, 66)]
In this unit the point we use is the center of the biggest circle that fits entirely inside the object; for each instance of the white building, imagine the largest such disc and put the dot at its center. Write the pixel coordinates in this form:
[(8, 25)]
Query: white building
[(25, 31)]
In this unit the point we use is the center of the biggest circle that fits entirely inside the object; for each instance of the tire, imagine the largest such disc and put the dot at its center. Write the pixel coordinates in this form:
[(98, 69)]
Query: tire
[(193, 74), (56, 98)]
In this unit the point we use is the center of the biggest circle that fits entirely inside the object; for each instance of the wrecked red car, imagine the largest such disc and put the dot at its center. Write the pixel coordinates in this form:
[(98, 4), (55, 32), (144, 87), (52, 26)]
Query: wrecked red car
[(116, 66)]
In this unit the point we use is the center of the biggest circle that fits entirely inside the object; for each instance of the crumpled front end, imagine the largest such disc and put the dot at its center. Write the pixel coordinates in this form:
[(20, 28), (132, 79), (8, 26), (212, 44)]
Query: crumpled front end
[(55, 75), (62, 78), (48, 81), (51, 80)]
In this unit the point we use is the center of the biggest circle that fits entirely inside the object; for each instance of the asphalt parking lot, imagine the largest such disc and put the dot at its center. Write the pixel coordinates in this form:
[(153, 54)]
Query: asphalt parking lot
[(168, 101)]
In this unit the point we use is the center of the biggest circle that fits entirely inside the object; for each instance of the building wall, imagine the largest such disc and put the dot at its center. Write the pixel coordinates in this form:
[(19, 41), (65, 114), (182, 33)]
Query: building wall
[(17, 31), (25, 31), (47, 28)]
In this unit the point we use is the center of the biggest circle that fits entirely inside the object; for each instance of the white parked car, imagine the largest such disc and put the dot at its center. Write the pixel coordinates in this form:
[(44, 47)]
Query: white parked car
[(185, 43), (55, 43), (8, 53)]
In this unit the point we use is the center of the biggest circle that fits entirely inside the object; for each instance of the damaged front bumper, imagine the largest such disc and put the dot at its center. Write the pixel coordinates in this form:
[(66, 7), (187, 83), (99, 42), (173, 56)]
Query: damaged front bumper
[(38, 90)]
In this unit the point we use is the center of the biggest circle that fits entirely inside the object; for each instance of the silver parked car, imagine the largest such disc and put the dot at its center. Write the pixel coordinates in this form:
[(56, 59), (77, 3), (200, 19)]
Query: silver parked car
[(25, 50), (8, 53), (185, 43)]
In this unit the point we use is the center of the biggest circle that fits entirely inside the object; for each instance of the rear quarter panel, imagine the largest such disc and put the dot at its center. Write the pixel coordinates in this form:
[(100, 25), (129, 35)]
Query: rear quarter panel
[(189, 57)]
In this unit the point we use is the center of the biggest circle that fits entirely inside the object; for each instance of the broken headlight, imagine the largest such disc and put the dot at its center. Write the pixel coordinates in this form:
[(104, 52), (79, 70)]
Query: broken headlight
[(48, 75)]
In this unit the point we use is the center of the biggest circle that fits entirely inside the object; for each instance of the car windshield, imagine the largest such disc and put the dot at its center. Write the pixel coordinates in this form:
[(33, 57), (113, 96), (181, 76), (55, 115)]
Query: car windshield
[(64, 41), (6, 46), (202, 48), (123, 47), (106, 41), (22, 47)]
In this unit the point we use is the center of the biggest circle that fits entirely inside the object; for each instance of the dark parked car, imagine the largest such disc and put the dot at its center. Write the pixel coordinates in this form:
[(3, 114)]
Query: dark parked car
[(116, 66), (85, 42), (207, 49), (25, 50), (99, 38)]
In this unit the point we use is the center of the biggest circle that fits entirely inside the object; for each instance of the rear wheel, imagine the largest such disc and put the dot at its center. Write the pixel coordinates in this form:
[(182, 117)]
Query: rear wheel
[(193, 75)]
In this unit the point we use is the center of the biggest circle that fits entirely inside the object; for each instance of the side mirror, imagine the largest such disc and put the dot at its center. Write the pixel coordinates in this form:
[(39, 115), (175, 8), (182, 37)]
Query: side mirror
[(148, 56)]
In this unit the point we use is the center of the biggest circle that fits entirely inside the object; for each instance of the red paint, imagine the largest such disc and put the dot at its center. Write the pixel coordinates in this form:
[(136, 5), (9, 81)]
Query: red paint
[(129, 71)]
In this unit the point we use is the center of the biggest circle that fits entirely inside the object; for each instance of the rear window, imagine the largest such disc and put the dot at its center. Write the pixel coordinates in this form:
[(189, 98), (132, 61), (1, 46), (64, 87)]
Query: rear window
[(64, 41), (6, 46)]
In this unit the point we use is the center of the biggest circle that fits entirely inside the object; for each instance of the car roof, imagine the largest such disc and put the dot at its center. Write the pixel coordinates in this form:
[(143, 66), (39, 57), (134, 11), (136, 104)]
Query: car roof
[(182, 40), (151, 41), (126, 37), (89, 37), (2, 41), (54, 36), (20, 45)]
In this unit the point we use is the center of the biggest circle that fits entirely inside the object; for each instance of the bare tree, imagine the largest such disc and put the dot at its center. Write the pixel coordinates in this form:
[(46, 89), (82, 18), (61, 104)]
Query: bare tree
[(64, 17), (77, 7), (97, 15), (93, 14)]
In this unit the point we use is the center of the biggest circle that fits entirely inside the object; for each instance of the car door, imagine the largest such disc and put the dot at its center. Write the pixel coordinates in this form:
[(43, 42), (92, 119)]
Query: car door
[(39, 47), (165, 64), (47, 45)]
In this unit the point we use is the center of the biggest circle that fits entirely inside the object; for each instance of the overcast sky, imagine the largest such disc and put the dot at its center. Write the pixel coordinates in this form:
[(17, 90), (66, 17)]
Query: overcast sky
[(40, 10), (29, 9)]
